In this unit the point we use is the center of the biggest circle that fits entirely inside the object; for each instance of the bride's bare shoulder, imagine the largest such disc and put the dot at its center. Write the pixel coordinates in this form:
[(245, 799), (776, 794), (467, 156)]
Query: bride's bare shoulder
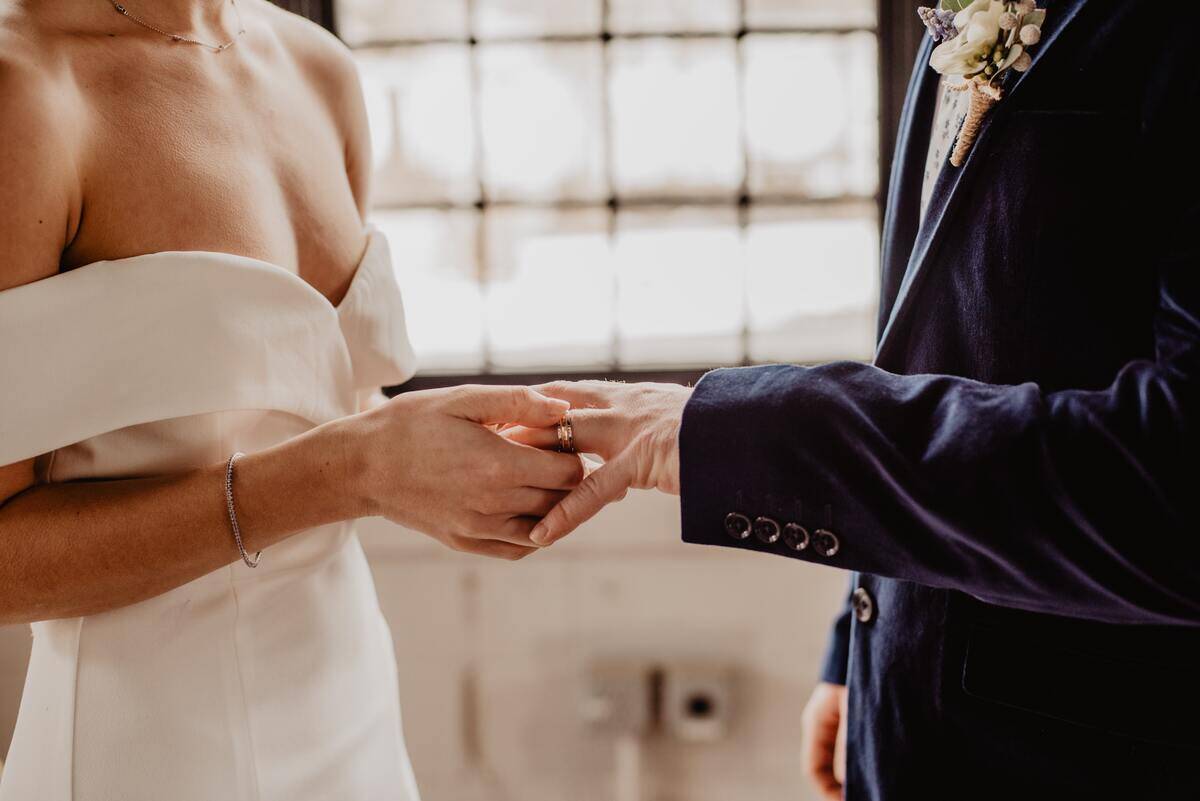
[(327, 65), (38, 179), (321, 56)]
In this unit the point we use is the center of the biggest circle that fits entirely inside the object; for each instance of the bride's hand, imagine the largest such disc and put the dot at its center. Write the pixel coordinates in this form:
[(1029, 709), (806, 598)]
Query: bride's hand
[(433, 462)]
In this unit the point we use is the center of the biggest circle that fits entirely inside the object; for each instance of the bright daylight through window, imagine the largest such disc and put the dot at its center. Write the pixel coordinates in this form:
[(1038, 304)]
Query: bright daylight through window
[(630, 184)]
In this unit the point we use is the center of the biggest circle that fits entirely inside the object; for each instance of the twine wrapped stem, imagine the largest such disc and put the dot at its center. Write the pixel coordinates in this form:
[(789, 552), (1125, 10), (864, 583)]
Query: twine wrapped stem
[(983, 96)]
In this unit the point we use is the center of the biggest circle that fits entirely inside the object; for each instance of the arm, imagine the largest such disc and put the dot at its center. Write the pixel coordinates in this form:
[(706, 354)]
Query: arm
[(425, 460), (1075, 503), (1078, 503)]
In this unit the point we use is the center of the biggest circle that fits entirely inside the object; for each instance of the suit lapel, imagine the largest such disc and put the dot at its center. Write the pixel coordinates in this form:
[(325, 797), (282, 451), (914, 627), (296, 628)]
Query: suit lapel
[(903, 211), (948, 189)]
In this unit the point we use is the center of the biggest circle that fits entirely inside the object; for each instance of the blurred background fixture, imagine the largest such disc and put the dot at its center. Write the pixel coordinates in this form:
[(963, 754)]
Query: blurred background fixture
[(635, 189)]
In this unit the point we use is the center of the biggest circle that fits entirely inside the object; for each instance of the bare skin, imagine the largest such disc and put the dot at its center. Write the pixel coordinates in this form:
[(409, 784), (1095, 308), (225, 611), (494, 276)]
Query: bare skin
[(823, 741), (119, 142)]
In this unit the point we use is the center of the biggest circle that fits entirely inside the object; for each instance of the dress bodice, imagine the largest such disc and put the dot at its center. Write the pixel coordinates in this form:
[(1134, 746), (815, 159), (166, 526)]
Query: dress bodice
[(120, 344)]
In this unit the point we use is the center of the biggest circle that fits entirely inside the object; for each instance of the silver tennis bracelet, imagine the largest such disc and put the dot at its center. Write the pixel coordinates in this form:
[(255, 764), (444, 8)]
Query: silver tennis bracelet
[(233, 521)]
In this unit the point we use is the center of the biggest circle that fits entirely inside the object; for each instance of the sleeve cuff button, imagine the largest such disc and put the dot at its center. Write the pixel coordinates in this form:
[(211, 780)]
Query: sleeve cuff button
[(766, 530), (825, 542), (795, 536), (737, 526)]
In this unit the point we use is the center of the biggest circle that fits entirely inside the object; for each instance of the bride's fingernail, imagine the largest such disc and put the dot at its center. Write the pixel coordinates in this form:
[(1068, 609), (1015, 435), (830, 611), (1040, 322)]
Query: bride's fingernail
[(539, 535)]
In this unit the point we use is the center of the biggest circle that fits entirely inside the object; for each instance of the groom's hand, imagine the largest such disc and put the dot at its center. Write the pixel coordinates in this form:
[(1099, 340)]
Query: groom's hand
[(633, 427), (823, 739)]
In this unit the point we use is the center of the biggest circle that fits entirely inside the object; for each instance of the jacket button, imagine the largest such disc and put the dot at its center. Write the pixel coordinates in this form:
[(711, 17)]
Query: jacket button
[(766, 530), (825, 542), (863, 605), (737, 526), (795, 536)]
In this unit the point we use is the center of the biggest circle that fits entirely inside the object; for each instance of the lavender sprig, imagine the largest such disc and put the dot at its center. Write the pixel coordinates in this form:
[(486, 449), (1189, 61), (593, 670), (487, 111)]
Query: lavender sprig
[(939, 22)]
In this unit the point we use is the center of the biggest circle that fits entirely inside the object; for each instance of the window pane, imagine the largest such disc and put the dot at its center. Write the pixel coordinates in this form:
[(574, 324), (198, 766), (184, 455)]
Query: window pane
[(673, 16), (675, 117), (362, 21), (419, 106), (811, 282), (812, 114), (810, 13), (434, 254), (543, 121), (679, 287), (536, 17), (550, 288)]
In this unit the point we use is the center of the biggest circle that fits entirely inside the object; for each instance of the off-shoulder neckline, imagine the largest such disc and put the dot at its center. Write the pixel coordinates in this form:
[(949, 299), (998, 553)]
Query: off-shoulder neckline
[(237, 258)]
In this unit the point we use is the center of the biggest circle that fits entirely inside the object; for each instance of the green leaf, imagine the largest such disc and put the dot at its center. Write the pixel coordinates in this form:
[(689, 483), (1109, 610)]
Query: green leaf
[(955, 5), (1034, 18)]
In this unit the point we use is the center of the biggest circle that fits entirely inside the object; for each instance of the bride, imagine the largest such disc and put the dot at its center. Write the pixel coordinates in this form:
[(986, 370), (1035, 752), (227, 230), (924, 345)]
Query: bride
[(186, 276)]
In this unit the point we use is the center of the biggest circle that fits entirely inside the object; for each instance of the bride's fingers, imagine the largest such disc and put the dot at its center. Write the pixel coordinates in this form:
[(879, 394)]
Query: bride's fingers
[(526, 502), (543, 438), (502, 528), (528, 467), (580, 394), (607, 484), (488, 405), (495, 549)]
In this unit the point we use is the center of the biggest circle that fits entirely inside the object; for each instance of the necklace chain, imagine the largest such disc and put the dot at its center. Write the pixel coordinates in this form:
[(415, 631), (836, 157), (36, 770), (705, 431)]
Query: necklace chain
[(179, 37)]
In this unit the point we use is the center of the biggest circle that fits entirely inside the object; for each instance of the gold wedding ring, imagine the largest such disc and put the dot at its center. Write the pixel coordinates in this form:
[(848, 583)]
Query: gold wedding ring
[(566, 434)]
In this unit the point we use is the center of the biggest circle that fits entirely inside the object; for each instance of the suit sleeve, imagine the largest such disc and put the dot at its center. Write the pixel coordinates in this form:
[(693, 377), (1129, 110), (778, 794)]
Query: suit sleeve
[(1083, 503)]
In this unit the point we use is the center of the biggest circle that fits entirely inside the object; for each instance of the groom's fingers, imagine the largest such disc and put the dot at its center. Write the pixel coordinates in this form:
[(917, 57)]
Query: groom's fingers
[(594, 431), (605, 485)]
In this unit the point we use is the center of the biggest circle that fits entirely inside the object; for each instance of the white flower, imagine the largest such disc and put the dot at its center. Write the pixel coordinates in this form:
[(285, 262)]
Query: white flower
[(969, 52), (1031, 34)]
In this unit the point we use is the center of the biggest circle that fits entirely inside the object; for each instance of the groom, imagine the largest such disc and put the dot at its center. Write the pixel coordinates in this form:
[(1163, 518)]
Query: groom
[(1014, 480)]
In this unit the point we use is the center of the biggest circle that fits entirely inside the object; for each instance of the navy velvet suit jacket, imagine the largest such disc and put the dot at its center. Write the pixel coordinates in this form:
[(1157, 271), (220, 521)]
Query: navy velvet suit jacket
[(1014, 479)]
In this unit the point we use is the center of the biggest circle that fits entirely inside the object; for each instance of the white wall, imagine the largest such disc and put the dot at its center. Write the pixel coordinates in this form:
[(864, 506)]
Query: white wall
[(493, 656)]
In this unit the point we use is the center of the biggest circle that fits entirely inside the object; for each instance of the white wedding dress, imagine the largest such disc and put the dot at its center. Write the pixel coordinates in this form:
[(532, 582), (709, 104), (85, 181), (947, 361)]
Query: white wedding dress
[(272, 684)]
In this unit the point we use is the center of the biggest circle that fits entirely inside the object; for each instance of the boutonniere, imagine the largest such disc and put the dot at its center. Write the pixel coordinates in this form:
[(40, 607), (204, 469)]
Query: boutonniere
[(981, 41)]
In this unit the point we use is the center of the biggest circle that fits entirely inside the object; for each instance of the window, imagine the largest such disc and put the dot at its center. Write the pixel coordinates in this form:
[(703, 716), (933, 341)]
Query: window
[(625, 185)]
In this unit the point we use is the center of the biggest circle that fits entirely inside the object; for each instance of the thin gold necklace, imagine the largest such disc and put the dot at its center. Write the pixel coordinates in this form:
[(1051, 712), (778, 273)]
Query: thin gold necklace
[(179, 37)]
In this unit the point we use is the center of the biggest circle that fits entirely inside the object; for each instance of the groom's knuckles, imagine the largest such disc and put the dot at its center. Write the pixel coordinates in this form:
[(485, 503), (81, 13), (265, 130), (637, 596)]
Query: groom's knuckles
[(595, 431)]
